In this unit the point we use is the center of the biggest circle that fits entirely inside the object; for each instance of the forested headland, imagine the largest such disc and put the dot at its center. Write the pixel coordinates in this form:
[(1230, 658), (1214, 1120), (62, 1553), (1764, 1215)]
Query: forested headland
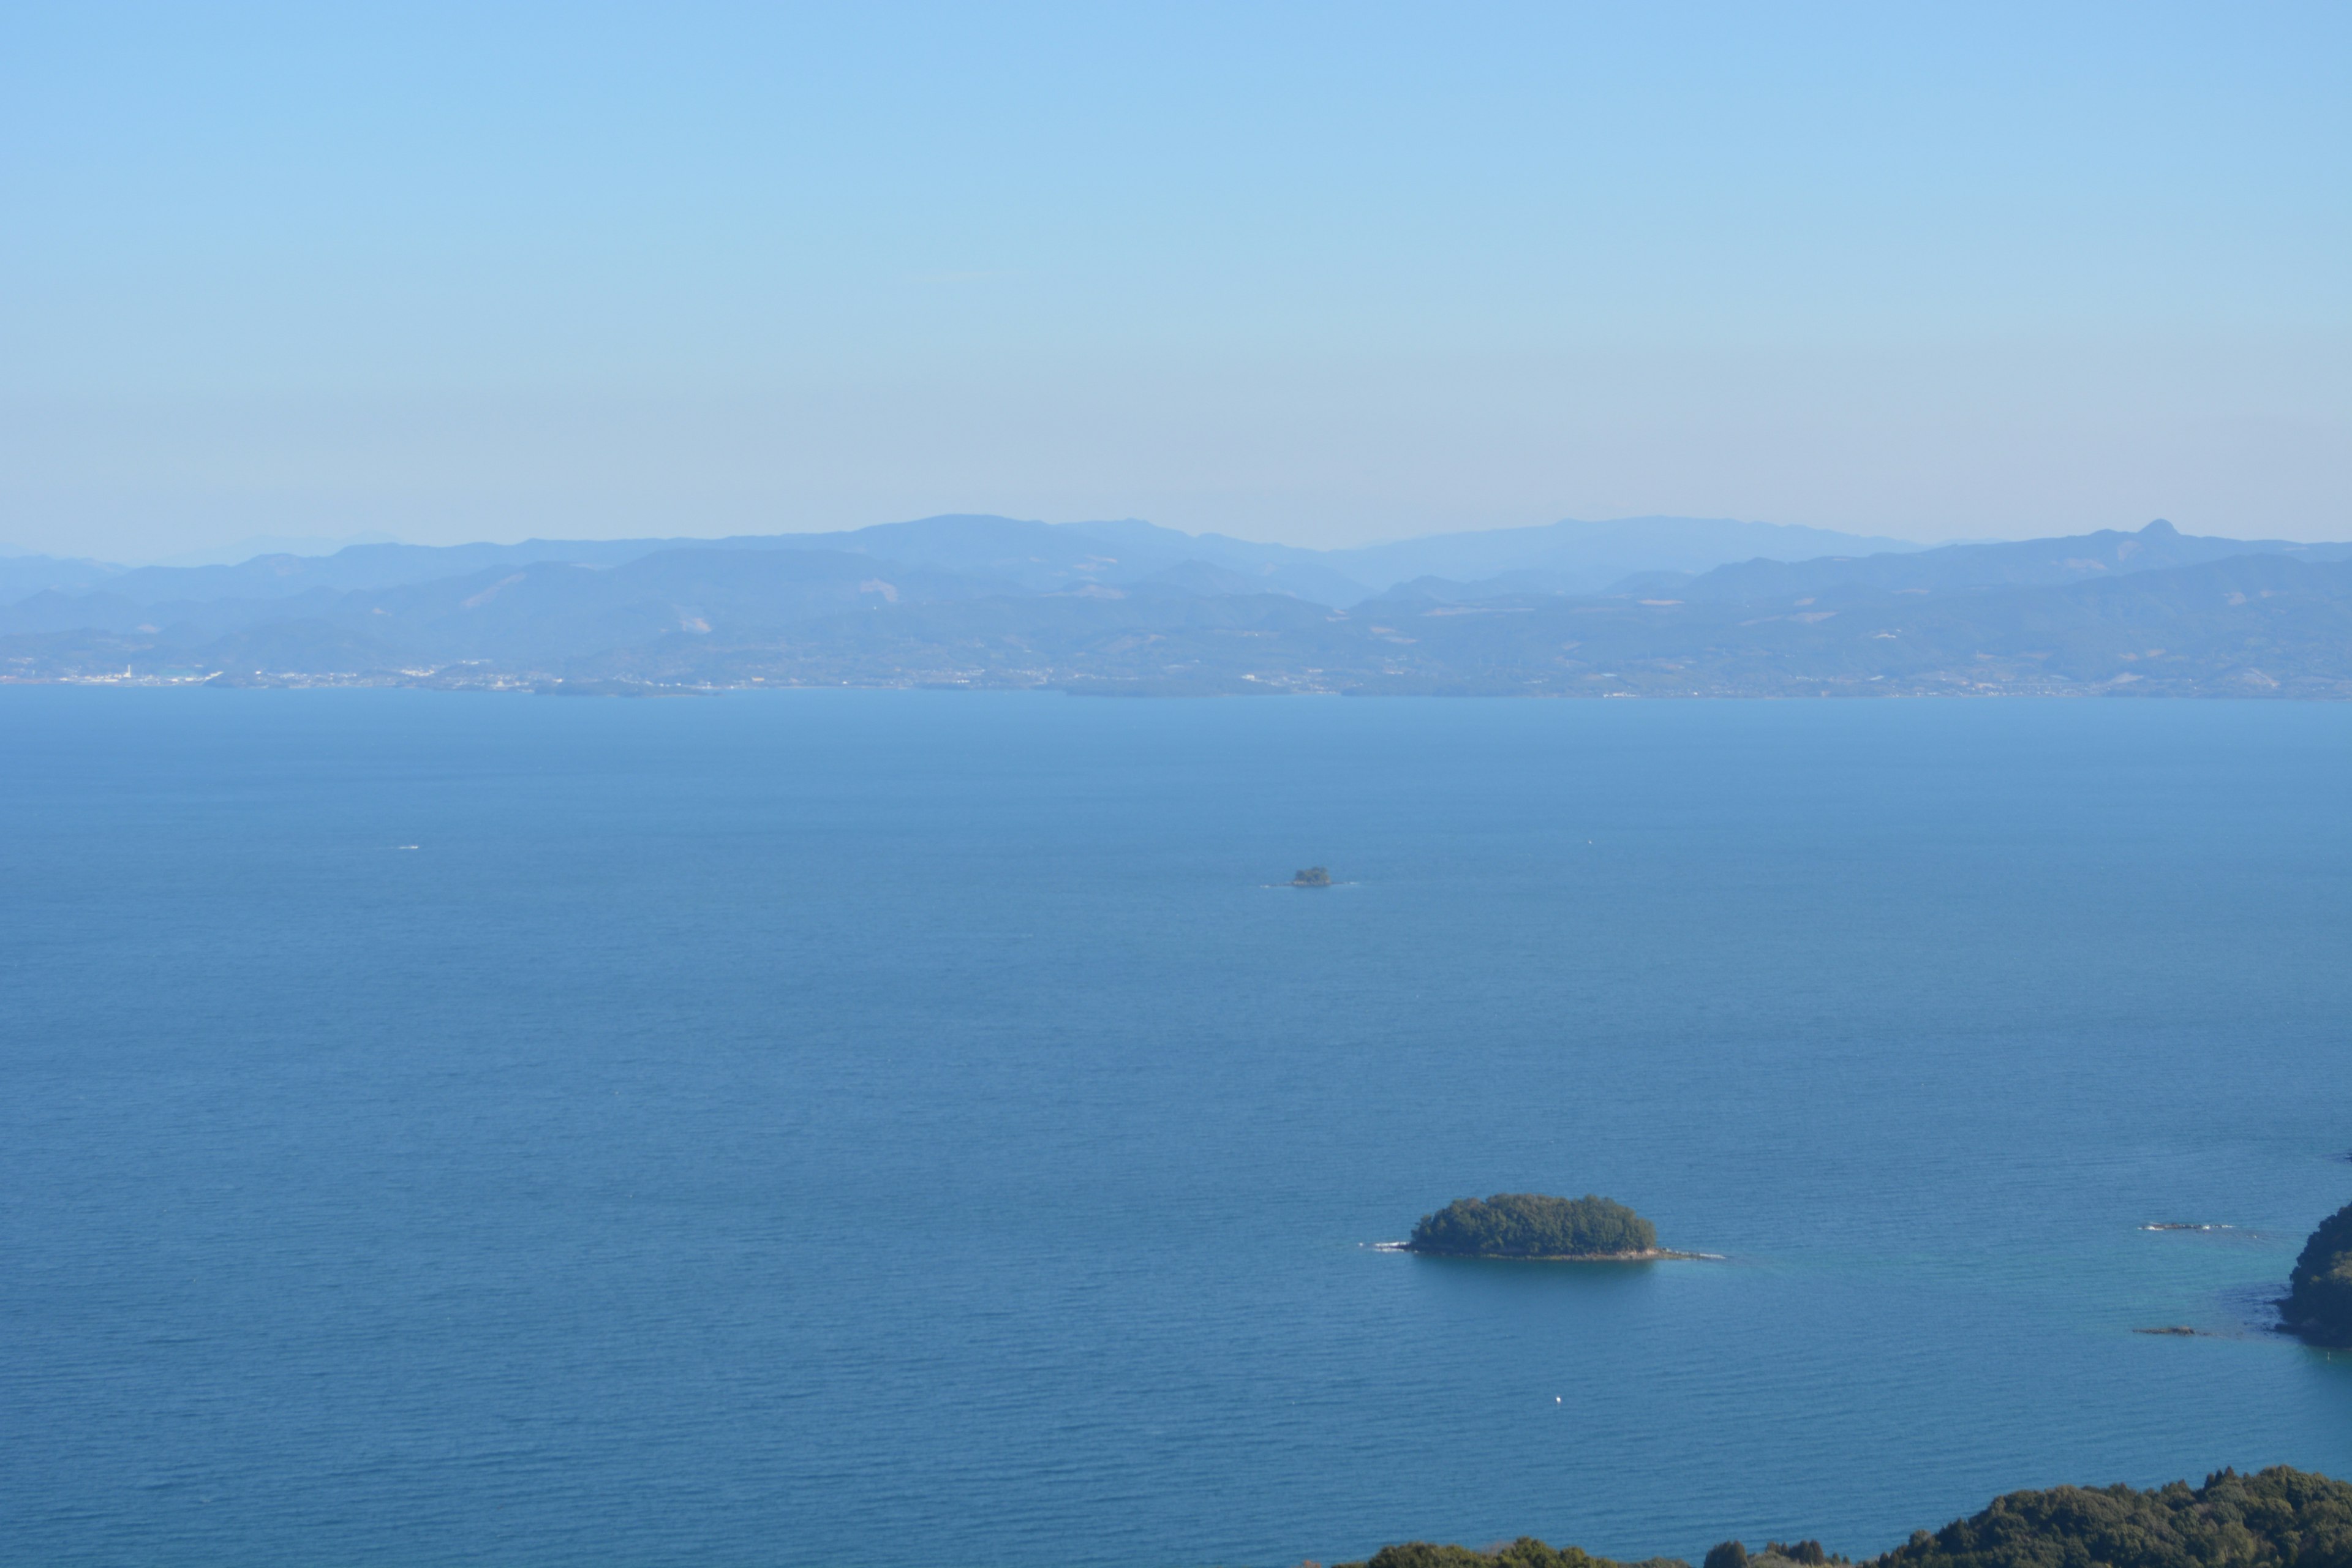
[(2318, 1304), (2280, 1517)]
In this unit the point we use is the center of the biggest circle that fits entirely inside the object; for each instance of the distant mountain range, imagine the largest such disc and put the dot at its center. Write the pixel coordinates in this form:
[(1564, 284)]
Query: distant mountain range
[(1008, 553), (1643, 606)]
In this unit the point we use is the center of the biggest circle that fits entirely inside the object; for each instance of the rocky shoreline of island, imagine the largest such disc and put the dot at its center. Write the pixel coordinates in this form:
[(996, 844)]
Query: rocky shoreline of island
[(1640, 1255)]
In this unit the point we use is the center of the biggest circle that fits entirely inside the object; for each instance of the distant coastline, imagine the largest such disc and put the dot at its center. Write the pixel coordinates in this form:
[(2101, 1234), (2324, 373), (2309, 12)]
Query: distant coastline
[(1648, 608)]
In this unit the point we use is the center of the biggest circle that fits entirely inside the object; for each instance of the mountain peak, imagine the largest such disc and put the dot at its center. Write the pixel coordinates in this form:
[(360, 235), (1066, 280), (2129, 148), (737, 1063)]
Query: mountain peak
[(2160, 528)]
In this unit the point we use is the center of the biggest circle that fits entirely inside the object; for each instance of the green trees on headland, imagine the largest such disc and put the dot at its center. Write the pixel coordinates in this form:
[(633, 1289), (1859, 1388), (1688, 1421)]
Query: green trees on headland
[(1803, 1554), (1529, 1225), (1524, 1553), (2319, 1305), (2281, 1518)]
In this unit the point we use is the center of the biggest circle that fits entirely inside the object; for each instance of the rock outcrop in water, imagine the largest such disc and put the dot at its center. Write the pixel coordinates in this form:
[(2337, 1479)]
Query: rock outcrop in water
[(1532, 1225), (2318, 1304), (2281, 1518)]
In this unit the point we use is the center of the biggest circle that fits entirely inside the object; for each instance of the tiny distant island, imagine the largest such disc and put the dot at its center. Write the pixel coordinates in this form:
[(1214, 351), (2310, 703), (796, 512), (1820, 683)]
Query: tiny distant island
[(1313, 877), (2318, 1304), (1536, 1228)]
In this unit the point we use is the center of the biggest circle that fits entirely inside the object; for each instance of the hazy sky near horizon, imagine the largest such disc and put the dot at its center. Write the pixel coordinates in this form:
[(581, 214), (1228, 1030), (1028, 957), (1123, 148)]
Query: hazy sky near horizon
[(1316, 273)]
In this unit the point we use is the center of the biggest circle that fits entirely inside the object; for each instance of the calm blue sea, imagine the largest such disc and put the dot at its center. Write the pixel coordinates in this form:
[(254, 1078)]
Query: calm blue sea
[(902, 1129)]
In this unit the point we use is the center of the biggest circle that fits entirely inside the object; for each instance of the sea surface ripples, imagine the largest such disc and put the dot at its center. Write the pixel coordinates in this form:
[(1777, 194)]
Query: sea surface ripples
[(902, 1129)]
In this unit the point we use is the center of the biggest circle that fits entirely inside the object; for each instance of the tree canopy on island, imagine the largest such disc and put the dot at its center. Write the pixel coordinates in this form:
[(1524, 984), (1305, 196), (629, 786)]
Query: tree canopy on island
[(1529, 1225), (2280, 1517), (2319, 1305)]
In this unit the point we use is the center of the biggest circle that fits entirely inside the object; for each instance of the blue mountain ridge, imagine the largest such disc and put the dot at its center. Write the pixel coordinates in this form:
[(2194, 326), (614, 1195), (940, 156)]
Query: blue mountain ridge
[(1013, 553), (1127, 607)]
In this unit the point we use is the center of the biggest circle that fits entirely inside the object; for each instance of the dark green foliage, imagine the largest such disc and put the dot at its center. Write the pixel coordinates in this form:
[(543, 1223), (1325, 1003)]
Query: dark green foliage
[(2278, 1519), (1524, 1553), (2289, 1518), (1529, 1225), (2319, 1299), (1527, 1551)]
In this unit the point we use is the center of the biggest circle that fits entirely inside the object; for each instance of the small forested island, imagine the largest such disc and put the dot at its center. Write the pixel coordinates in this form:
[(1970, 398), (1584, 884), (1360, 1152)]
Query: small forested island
[(2318, 1304), (1531, 1225), (2281, 1518), (1313, 877)]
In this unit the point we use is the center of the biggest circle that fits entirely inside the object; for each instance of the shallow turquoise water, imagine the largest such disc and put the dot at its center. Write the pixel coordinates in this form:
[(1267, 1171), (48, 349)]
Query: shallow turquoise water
[(897, 1128)]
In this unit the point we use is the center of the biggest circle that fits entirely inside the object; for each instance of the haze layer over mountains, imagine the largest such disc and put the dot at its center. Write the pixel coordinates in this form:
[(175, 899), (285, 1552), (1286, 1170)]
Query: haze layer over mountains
[(1643, 606)]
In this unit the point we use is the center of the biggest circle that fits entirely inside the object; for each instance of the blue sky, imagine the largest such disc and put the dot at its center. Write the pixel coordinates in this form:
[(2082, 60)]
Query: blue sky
[(1315, 273)]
